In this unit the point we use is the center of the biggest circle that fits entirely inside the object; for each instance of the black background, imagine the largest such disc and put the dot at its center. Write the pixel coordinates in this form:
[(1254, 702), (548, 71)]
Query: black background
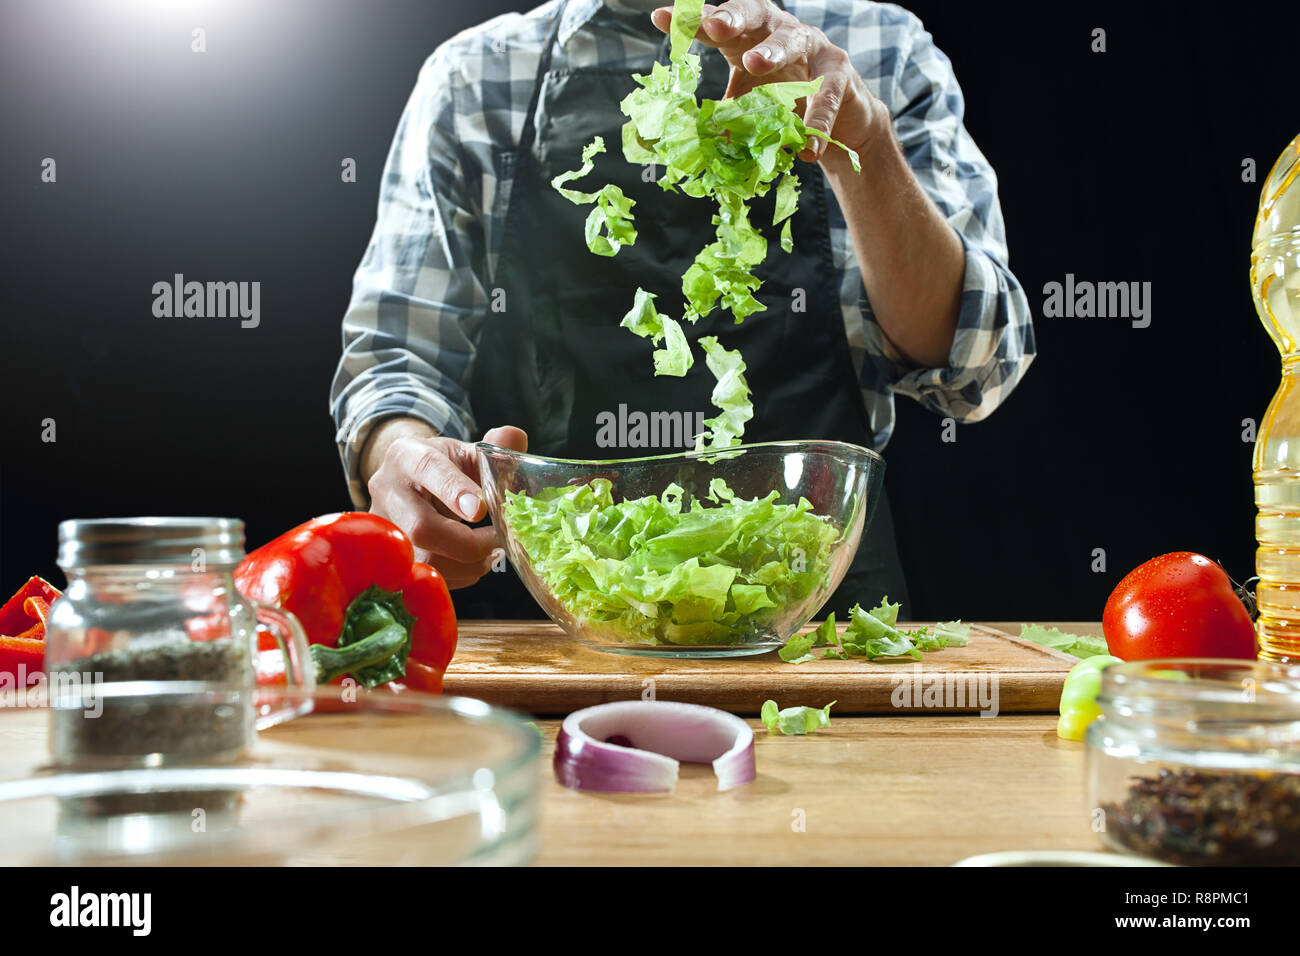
[(1122, 166)]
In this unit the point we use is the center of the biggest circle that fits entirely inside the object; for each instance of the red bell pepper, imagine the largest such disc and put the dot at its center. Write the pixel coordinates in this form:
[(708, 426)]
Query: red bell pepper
[(368, 609), (23, 619)]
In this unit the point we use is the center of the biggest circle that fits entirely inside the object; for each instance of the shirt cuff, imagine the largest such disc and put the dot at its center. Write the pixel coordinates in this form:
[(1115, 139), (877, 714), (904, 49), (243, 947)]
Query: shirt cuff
[(992, 346)]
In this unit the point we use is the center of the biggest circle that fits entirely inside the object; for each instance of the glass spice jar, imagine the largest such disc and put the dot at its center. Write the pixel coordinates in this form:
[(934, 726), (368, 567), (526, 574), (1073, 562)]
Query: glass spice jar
[(150, 654), (1197, 761)]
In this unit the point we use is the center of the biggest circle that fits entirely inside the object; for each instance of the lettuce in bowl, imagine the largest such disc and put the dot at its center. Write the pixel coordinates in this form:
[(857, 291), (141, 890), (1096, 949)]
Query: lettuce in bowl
[(655, 570)]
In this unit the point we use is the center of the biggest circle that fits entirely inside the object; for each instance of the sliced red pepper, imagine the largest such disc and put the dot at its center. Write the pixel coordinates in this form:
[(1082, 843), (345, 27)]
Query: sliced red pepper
[(368, 610), (38, 610), (15, 618), (23, 620), (22, 657)]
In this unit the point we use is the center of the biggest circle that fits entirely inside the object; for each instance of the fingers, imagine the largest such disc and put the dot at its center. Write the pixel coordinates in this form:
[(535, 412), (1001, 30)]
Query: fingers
[(729, 21), (426, 488), (430, 531), (466, 457), (754, 35), (456, 573), (788, 44), (823, 107), (507, 436), (733, 26), (428, 465)]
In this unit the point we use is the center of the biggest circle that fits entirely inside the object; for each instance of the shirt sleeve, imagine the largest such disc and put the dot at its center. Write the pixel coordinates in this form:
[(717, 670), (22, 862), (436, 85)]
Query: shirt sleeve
[(994, 341), (418, 297)]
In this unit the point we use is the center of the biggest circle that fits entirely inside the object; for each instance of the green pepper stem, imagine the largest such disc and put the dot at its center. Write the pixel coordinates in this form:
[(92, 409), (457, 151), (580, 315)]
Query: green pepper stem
[(377, 648)]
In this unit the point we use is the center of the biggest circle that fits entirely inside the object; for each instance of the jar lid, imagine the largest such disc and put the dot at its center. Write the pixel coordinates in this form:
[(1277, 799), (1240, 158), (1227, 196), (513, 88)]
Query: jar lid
[(143, 542)]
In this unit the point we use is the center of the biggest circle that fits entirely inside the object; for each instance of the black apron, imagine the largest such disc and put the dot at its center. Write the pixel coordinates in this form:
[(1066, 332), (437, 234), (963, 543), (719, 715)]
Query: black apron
[(555, 358)]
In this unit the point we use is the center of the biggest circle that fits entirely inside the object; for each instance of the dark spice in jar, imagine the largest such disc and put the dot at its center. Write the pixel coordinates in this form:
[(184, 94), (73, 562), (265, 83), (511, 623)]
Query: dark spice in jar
[(1194, 817), (93, 729), (176, 727)]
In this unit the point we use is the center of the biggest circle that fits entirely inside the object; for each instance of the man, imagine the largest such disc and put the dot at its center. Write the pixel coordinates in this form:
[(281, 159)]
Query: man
[(478, 304)]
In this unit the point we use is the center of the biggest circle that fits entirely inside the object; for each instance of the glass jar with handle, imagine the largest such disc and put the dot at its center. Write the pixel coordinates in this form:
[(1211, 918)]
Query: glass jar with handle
[(152, 603)]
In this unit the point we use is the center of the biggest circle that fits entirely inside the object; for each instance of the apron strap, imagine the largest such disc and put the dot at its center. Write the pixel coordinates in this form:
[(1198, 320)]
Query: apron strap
[(529, 132)]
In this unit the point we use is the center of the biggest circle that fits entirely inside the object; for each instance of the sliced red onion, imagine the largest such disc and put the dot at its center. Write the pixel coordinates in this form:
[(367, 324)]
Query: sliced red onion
[(633, 746)]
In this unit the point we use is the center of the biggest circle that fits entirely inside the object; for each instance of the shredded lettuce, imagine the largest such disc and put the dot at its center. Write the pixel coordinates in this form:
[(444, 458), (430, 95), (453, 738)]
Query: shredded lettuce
[(730, 395), (795, 720), (949, 634), (873, 634), (609, 225), (798, 648), (729, 151), (1080, 645), (659, 571)]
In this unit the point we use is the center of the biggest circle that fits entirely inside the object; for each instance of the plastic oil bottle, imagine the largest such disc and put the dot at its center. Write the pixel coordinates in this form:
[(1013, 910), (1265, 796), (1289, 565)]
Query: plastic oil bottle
[(1275, 283)]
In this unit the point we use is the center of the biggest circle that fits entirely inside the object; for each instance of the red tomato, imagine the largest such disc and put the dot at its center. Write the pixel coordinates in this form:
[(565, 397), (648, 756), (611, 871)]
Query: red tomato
[(1177, 605)]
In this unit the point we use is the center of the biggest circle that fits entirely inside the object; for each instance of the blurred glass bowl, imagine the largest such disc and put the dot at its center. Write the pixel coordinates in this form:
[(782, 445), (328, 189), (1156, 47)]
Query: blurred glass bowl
[(625, 563), (369, 779)]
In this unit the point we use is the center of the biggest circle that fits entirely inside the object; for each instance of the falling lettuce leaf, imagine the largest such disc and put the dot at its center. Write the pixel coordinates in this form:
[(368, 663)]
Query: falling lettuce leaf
[(609, 226), (675, 357), (795, 720), (729, 151), (787, 198), (730, 395), (643, 318), (686, 23), (589, 153)]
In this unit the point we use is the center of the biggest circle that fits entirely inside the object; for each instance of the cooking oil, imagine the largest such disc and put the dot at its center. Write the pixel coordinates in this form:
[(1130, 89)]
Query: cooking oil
[(1275, 283)]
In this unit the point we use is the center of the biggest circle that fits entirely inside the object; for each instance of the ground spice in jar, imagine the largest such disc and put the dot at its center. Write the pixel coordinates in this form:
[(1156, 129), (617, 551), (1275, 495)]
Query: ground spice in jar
[(172, 726), (97, 729), (1194, 817), (175, 727)]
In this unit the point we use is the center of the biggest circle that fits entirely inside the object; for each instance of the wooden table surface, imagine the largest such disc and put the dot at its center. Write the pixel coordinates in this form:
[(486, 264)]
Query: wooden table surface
[(873, 790), (880, 791), (890, 789)]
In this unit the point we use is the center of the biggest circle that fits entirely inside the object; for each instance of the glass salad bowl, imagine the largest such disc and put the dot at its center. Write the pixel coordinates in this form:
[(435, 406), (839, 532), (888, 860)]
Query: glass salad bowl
[(713, 554), (369, 778)]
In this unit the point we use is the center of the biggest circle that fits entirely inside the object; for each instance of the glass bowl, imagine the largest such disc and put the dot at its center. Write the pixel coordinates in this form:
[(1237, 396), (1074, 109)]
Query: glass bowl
[(1197, 761), (652, 556), (382, 779)]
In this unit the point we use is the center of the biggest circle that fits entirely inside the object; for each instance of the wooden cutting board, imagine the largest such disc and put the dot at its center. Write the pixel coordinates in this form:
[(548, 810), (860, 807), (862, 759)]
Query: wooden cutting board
[(534, 667)]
